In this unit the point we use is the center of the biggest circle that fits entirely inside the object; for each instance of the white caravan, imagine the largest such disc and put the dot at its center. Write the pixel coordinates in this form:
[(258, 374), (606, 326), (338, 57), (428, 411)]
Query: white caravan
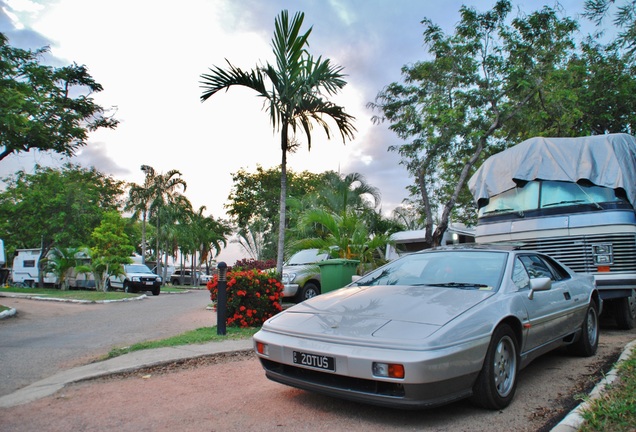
[(25, 268)]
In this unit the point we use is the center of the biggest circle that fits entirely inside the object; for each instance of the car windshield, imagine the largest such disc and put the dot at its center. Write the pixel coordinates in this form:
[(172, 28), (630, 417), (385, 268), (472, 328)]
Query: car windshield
[(137, 268), (307, 256), (464, 269)]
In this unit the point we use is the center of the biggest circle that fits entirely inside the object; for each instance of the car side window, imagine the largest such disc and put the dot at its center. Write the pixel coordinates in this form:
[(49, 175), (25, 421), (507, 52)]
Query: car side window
[(557, 270), (537, 267), (520, 276)]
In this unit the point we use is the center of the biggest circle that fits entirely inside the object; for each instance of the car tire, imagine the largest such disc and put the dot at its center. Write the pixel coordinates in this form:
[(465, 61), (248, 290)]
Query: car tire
[(497, 382), (175, 282), (307, 291), (109, 287), (626, 312), (156, 291), (128, 288), (587, 344)]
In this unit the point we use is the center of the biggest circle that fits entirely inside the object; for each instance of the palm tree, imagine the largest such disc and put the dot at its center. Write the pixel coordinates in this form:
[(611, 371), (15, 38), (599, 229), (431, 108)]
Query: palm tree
[(349, 193), (163, 190), (60, 261), (294, 95), (252, 238), (212, 236), (139, 202), (346, 233)]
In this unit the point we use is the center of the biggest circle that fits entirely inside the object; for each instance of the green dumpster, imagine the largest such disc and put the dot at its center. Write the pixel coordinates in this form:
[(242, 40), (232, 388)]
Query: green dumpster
[(336, 273)]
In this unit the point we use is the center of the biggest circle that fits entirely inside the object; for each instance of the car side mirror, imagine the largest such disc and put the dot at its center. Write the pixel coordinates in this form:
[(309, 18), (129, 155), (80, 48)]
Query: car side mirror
[(539, 284)]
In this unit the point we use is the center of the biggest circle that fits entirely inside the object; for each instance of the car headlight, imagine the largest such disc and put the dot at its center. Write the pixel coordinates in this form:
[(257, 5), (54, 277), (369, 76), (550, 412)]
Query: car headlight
[(158, 279), (136, 279), (288, 278)]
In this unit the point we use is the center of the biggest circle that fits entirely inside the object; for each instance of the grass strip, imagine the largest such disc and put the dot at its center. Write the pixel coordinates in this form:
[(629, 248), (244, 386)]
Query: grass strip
[(88, 295), (616, 410), (198, 336)]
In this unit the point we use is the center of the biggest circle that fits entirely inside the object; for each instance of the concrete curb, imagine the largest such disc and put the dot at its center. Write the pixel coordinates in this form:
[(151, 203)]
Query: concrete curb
[(63, 300), (573, 421), (8, 313)]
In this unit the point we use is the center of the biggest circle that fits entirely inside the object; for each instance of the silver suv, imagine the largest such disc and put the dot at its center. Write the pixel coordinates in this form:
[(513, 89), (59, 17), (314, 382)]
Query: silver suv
[(301, 274), (179, 277)]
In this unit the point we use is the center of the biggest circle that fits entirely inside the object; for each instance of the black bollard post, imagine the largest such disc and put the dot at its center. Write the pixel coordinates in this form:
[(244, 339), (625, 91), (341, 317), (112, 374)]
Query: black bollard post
[(221, 300)]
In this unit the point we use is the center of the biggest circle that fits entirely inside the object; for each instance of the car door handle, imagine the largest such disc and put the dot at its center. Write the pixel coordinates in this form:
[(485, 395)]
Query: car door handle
[(567, 295)]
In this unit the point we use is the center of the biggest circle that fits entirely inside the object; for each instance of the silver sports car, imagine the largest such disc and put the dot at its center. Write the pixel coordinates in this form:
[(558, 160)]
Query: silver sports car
[(433, 327)]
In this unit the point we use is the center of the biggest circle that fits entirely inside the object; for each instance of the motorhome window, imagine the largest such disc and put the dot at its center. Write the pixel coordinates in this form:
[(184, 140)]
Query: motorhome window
[(548, 194), (513, 200), (559, 194), (28, 263)]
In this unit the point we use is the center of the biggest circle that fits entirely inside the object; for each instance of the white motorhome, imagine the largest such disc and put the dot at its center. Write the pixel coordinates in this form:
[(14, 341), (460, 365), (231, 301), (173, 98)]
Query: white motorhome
[(403, 242), (572, 198), (25, 268)]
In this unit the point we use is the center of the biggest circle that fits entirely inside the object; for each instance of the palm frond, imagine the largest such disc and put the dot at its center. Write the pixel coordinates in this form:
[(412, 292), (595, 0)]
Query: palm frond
[(219, 79)]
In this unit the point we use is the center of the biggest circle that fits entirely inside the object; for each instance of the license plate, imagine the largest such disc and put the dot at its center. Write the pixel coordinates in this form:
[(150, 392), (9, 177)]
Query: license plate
[(149, 283), (315, 361)]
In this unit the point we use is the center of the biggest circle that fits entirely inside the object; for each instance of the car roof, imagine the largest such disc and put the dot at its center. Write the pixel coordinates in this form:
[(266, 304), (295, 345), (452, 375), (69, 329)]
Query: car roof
[(503, 247)]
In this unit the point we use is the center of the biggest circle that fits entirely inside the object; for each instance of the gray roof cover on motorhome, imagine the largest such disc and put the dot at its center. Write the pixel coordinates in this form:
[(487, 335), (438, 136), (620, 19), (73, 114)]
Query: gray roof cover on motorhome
[(605, 160)]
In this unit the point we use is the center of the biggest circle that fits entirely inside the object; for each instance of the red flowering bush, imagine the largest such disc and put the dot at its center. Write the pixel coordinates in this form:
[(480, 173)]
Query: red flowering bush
[(253, 296), (251, 263)]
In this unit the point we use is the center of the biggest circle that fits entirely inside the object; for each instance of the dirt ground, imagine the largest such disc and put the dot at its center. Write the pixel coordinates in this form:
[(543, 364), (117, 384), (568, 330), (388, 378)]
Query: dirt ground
[(231, 393)]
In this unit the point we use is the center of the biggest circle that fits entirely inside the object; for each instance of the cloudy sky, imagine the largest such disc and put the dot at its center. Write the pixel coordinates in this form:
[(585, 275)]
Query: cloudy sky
[(149, 55)]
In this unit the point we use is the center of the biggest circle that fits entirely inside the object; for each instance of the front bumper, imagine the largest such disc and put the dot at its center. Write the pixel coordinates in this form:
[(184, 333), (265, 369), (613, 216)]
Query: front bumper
[(432, 377), (290, 290)]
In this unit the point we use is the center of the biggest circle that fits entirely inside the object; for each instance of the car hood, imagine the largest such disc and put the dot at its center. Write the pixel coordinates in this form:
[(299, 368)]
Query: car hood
[(300, 268), (138, 274), (391, 312)]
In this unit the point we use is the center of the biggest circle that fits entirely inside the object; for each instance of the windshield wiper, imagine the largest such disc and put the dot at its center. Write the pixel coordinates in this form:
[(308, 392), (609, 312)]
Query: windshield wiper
[(459, 285), (566, 202), (500, 210)]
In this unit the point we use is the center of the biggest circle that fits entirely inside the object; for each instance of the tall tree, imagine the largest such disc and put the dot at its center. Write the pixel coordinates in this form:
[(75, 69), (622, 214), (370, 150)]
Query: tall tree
[(250, 203), (110, 249), (139, 203), (163, 191), (453, 106), (45, 108), (55, 207), (624, 19), (295, 95)]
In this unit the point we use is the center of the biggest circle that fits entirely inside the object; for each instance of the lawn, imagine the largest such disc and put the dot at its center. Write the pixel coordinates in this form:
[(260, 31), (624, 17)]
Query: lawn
[(87, 295)]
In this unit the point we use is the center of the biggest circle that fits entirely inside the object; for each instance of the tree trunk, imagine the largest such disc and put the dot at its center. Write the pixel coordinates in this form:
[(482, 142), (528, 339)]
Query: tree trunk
[(283, 200), (158, 252), (428, 227), (143, 238)]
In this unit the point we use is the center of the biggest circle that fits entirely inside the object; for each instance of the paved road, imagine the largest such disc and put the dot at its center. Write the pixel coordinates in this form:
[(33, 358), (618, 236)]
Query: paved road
[(45, 338)]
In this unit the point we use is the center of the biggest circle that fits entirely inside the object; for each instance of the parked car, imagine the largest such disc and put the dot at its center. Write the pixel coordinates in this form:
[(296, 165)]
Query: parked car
[(301, 274), (179, 277), (205, 278), (433, 327), (136, 277)]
